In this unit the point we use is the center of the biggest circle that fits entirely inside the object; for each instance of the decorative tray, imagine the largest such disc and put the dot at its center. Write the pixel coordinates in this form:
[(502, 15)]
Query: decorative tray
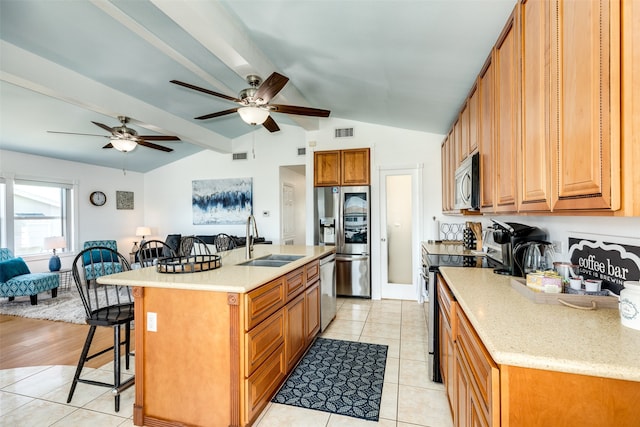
[(584, 300), (188, 264)]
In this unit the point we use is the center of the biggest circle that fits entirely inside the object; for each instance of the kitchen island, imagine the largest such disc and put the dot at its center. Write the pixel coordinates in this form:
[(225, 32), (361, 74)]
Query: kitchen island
[(213, 347), (545, 364)]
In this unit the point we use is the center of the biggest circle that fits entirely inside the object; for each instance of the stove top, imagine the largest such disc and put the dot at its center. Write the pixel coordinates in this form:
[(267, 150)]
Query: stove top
[(435, 261)]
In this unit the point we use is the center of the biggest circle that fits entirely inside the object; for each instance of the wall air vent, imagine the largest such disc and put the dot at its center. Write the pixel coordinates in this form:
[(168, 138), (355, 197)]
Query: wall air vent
[(344, 133), (302, 151), (240, 156)]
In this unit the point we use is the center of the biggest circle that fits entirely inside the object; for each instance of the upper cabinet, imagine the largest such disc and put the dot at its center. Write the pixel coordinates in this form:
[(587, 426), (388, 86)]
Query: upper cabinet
[(558, 110), (535, 154), (507, 116), (585, 107), (341, 167)]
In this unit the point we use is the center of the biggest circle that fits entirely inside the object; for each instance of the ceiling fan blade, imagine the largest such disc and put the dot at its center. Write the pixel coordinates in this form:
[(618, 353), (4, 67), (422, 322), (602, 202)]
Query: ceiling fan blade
[(271, 125), (270, 87), (301, 111), (203, 90), (74, 133), (218, 114), (109, 145), (154, 146), (105, 127), (159, 137)]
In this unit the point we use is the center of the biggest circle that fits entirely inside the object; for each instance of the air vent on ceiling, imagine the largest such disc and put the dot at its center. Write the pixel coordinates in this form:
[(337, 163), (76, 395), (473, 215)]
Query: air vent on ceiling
[(302, 151), (240, 156), (344, 133)]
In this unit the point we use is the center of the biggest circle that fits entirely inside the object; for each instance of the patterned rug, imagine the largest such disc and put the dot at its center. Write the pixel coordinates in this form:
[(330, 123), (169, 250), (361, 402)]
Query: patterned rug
[(341, 377), (66, 307)]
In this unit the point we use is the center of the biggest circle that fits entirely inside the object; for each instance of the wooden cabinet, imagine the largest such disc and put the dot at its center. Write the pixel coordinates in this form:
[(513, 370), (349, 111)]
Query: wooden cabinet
[(447, 308), (342, 167), (486, 135), (585, 54), (473, 105), (241, 347), (507, 117), (535, 154), (448, 171), (465, 144)]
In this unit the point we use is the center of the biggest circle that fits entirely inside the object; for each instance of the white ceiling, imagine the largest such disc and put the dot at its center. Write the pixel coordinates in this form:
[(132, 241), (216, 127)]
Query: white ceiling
[(401, 63)]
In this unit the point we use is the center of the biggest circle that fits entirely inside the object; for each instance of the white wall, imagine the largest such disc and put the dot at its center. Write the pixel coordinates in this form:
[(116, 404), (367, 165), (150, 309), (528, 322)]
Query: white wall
[(94, 223), (168, 189)]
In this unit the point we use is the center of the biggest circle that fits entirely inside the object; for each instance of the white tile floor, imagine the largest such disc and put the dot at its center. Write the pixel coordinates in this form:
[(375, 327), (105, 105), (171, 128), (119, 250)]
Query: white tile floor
[(36, 396)]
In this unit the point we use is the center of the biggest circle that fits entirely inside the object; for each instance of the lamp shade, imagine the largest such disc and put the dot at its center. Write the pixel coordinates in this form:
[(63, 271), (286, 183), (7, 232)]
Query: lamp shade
[(253, 115), (143, 231), (55, 242), (124, 145)]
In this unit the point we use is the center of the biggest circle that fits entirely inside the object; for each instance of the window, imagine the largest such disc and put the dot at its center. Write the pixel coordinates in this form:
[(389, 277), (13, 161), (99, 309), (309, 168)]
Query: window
[(32, 210)]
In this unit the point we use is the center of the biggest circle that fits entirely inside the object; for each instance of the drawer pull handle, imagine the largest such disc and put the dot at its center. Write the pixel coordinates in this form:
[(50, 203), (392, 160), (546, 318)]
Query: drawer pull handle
[(579, 307)]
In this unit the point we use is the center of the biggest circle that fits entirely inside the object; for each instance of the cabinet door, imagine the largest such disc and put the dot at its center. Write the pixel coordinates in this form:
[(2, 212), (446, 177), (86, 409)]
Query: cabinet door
[(326, 167), (312, 310), (461, 402), (535, 157), (295, 340), (507, 116), (447, 177), (355, 167), (586, 117), (486, 139), (474, 119), (457, 145), (464, 132)]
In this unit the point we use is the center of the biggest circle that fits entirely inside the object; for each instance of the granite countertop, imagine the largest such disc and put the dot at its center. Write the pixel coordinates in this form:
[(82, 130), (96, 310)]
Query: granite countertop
[(449, 247), (519, 332), (228, 278)]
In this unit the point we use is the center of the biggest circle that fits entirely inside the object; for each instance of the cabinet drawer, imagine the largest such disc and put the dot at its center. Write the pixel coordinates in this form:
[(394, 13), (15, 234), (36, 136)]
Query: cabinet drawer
[(260, 387), (294, 283), (262, 340), (483, 369), (263, 302), (313, 271)]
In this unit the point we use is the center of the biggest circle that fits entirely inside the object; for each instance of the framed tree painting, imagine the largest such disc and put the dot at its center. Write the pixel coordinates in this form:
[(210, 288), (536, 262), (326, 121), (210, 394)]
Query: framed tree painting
[(222, 201)]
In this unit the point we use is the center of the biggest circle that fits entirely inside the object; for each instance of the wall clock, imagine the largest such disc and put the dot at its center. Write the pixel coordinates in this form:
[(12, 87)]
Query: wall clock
[(98, 198)]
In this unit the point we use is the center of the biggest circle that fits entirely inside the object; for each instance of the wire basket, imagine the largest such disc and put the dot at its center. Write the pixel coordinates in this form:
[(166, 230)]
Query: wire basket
[(188, 264)]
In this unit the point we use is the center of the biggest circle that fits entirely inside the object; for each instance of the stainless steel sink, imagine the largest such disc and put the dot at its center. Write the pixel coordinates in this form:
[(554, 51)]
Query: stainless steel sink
[(272, 260)]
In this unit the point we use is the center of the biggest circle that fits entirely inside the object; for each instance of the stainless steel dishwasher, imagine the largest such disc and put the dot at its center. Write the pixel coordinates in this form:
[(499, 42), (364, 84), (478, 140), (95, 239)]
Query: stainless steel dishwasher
[(328, 303)]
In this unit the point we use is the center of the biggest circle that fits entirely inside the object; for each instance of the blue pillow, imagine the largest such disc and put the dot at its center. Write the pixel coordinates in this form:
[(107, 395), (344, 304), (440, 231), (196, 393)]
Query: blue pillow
[(12, 268), (97, 256)]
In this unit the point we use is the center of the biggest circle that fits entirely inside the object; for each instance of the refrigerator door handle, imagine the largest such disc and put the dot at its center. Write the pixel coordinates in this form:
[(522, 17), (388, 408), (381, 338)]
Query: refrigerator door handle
[(349, 258)]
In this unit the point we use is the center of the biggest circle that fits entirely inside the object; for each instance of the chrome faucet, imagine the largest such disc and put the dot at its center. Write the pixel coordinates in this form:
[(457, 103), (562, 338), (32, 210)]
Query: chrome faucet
[(250, 236)]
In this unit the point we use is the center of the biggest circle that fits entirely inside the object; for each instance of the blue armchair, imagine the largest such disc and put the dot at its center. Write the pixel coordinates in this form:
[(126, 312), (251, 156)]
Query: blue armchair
[(16, 280), (102, 264)]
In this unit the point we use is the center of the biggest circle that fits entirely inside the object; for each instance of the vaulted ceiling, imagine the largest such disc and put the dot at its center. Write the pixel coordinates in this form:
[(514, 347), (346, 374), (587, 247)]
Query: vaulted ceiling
[(401, 63)]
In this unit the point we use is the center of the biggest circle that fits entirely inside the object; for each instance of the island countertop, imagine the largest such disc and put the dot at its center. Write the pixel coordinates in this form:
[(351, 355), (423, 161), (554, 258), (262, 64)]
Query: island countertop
[(519, 332), (230, 277)]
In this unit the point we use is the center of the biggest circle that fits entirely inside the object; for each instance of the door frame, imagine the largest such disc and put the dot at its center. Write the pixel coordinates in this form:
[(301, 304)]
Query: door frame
[(392, 291)]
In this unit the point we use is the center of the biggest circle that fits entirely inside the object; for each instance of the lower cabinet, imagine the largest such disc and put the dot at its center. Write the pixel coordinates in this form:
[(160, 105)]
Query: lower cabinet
[(312, 309), (296, 336)]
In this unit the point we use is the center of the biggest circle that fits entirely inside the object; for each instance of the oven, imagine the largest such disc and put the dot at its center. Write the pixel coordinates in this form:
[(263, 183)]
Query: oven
[(430, 268)]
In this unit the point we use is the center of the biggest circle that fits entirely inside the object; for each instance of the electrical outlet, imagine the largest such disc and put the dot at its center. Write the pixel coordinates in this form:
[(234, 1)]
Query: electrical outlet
[(152, 321), (558, 247)]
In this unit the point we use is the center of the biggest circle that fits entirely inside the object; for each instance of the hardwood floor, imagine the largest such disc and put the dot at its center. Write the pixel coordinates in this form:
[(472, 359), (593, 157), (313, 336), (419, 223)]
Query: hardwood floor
[(29, 342)]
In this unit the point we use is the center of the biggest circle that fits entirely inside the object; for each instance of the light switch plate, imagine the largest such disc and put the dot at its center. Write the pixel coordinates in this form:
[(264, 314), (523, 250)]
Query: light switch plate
[(152, 321)]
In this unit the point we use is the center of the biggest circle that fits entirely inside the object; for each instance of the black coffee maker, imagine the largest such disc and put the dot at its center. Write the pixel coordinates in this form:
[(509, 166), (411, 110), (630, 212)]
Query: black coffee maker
[(510, 236)]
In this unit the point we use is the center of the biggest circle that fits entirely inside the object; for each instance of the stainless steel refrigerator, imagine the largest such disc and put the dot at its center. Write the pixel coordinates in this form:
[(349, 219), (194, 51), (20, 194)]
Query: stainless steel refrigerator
[(342, 218)]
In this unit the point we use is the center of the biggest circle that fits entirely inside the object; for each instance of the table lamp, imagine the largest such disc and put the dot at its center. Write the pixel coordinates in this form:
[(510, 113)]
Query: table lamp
[(55, 242), (143, 231)]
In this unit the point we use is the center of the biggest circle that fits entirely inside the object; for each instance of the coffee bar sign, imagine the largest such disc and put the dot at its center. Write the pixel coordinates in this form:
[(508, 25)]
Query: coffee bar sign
[(613, 263)]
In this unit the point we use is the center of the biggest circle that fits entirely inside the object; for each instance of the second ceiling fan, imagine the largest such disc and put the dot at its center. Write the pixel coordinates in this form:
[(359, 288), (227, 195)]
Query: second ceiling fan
[(254, 106)]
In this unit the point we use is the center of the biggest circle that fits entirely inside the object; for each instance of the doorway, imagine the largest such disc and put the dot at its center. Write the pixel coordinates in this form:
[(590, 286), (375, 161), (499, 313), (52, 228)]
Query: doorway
[(292, 205), (401, 225)]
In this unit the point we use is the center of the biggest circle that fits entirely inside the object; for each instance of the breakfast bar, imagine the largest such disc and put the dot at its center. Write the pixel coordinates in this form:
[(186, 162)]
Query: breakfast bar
[(212, 347)]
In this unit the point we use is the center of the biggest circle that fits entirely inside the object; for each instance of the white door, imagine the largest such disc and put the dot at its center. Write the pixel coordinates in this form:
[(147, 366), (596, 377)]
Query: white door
[(288, 231), (401, 223)]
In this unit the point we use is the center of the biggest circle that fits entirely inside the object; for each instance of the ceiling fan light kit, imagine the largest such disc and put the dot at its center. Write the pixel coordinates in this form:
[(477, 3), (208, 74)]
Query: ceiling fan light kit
[(253, 115), (124, 145)]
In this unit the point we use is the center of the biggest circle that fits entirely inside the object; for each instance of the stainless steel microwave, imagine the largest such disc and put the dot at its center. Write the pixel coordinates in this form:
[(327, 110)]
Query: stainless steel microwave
[(467, 188)]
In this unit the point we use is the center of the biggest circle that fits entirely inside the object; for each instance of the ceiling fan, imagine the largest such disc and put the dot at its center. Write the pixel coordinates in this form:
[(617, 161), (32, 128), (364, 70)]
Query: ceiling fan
[(254, 103), (125, 139)]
